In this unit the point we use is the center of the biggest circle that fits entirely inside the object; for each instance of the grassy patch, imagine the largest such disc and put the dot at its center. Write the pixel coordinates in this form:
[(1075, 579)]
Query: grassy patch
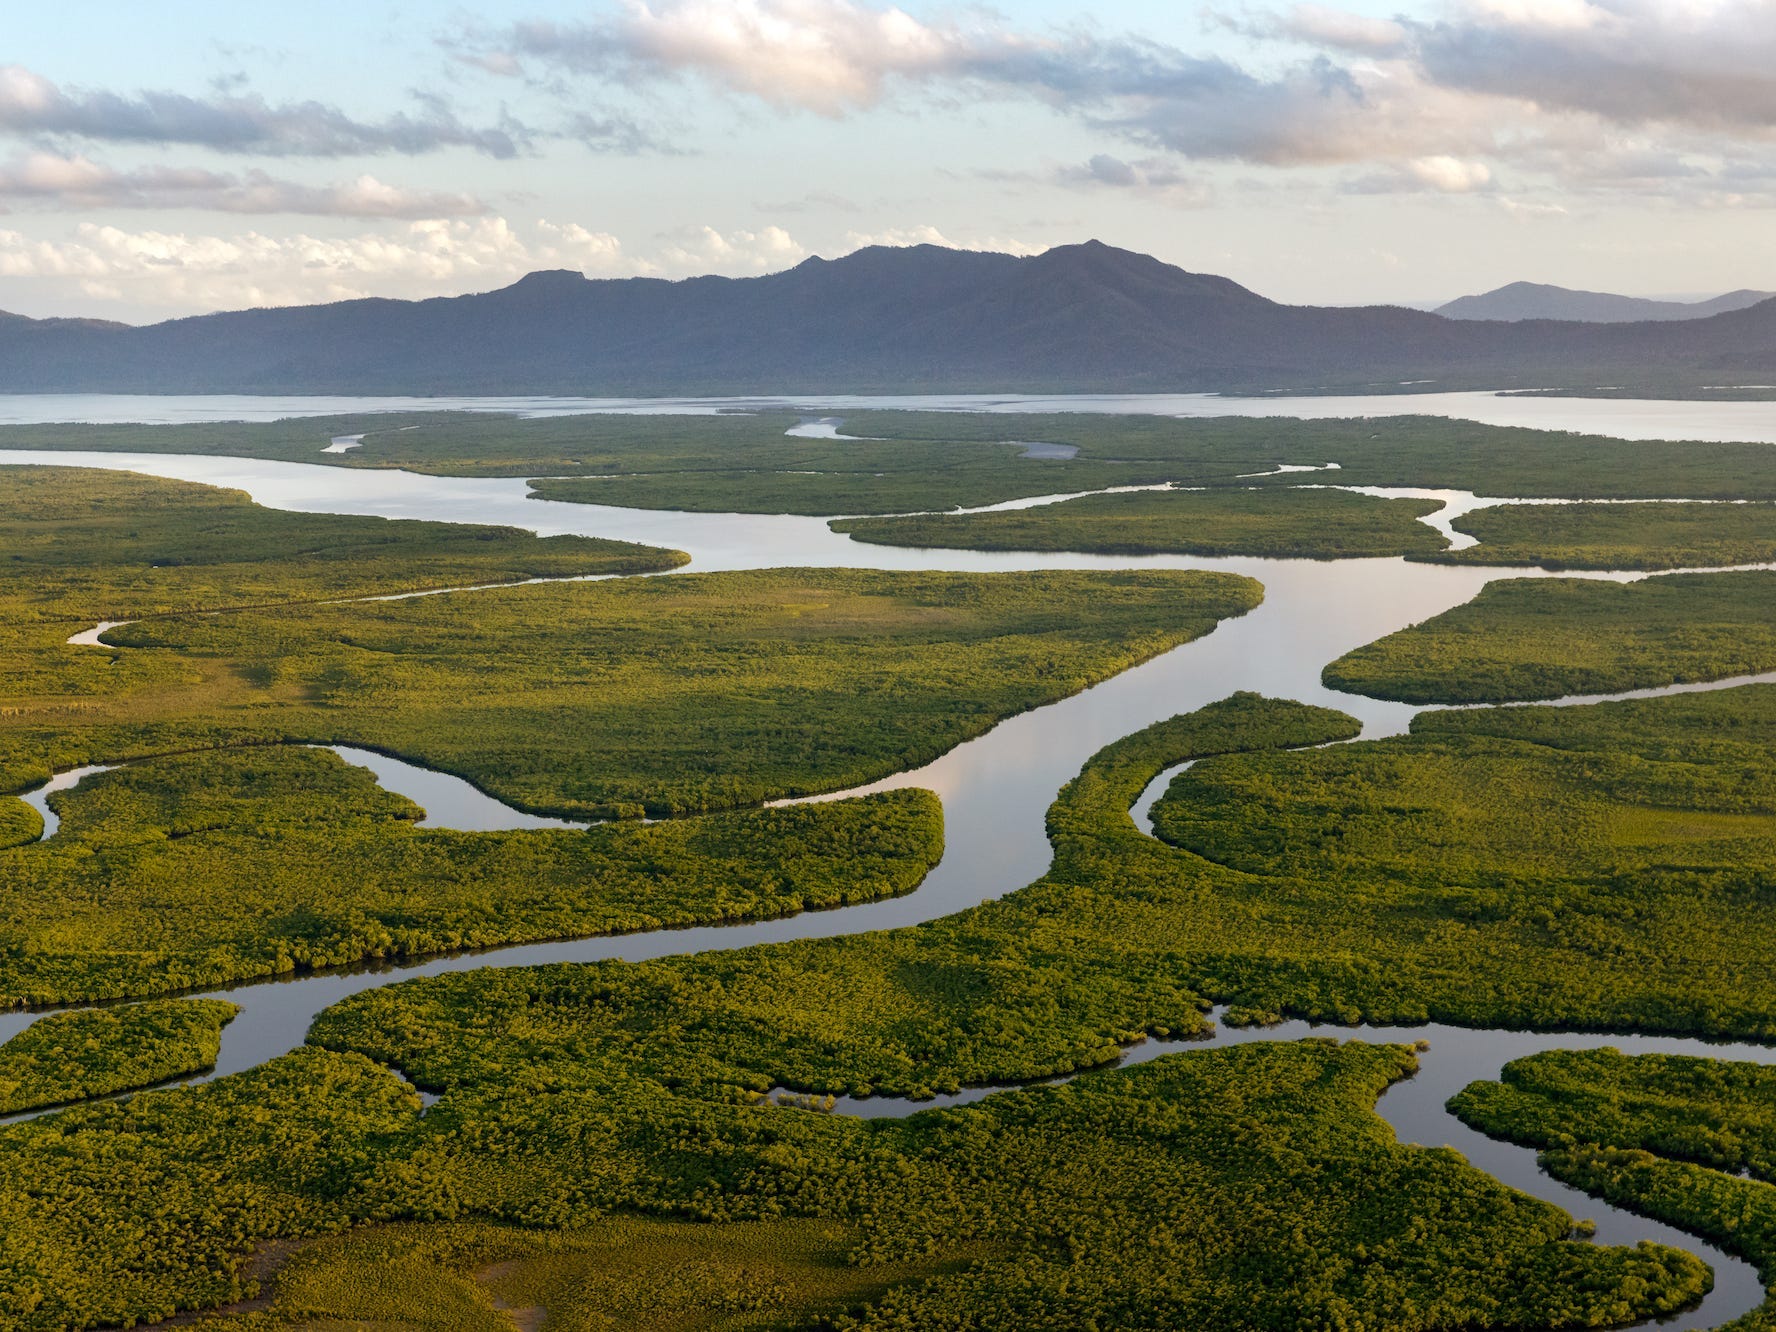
[(97, 1051), (1311, 524), (645, 1274), (1548, 637)]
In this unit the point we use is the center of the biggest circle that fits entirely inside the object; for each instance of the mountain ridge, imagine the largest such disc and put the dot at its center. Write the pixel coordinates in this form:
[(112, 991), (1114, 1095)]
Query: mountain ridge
[(1518, 301), (1076, 318)]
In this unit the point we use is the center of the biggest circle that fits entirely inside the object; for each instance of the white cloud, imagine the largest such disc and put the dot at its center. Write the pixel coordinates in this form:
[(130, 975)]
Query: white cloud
[(1543, 86), (1450, 175), (929, 235), (704, 249), (187, 271), (827, 56)]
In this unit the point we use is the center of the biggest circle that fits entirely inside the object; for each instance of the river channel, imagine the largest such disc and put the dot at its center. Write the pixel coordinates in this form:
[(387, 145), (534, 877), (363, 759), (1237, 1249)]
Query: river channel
[(995, 789)]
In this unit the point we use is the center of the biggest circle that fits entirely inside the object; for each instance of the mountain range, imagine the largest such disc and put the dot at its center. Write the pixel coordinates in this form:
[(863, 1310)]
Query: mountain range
[(1538, 300), (1078, 318)]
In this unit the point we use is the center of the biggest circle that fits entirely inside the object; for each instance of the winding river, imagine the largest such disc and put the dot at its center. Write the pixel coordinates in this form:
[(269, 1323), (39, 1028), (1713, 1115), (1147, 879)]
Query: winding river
[(995, 788)]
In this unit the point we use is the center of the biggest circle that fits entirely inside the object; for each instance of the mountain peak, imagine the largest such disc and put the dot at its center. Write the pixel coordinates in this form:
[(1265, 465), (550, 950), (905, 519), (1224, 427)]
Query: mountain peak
[(550, 280)]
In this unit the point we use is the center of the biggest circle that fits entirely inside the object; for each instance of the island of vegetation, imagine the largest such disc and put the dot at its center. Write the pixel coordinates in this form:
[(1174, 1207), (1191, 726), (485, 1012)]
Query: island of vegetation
[(1538, 638), (1619, 536), (87, 1052), (1295, 522)]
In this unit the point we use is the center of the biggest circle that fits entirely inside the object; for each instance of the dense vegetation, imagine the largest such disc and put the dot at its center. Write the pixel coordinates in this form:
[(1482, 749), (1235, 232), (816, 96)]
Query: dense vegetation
[(1313, 524), (1548, 637), (675, 694), (1250, 1188), (196, 870), (1619, 536), (97, 1051), (935, 460), (83, 546), (123, 1211), (1689, 1141)]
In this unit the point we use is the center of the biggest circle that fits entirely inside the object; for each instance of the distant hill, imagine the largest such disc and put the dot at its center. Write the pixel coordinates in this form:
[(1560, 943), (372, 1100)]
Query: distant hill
[(1536, 300), (1078, 318)]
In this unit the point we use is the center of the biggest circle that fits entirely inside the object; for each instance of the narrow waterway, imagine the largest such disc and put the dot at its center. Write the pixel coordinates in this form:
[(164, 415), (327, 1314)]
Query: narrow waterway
[(996, 789)]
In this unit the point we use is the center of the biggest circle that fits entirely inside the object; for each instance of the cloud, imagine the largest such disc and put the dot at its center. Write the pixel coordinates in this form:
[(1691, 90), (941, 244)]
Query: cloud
[(704, 249), (1541, 85), (613, 134), (827, 56), (1152, 177), (838, 57), (181, 272), (32, 105), (930, 235), (1439, 173), (813, 201), (1316, 25), (1707, 65), (52, 180)]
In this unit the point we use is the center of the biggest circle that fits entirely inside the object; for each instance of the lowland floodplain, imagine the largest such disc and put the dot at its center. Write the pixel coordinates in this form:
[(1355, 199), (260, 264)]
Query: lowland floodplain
[(1550, 637), (603, 1143), (1235, 1188)]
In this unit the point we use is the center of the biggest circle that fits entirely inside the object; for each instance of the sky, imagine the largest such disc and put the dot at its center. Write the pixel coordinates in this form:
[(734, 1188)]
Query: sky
[(163, 160)]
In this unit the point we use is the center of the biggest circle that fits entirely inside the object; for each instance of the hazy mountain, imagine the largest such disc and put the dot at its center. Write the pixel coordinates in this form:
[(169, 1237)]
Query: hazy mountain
[(1536, 300), (1078, 318)]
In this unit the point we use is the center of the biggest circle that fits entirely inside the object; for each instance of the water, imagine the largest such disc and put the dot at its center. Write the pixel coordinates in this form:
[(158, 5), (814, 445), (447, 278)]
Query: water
[(1622, 418), (448, 801), (996, 788), (62, 781)]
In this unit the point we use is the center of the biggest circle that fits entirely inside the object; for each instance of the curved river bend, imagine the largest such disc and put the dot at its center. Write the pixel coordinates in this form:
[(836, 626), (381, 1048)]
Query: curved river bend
[(996, 788)]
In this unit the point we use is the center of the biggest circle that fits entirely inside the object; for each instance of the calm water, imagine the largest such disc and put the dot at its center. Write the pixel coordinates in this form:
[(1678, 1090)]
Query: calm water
[(1621, 418), (996, 788)]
